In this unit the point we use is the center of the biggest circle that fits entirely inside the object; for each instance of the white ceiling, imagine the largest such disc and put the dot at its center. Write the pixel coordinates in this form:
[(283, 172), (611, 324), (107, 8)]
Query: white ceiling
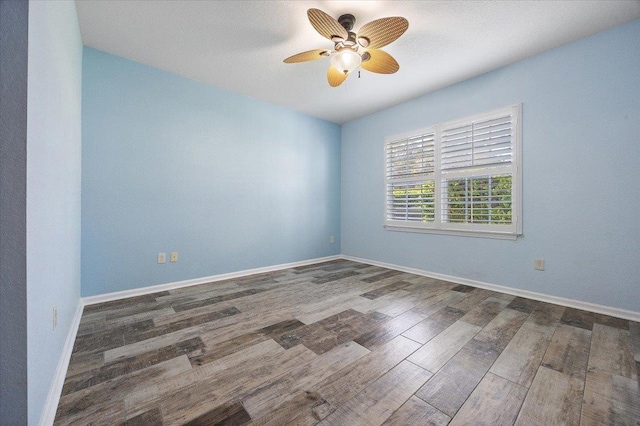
[(239, 45)]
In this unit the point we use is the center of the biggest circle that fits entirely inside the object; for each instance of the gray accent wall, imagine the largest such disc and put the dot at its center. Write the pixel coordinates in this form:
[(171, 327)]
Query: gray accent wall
[(14, 22)]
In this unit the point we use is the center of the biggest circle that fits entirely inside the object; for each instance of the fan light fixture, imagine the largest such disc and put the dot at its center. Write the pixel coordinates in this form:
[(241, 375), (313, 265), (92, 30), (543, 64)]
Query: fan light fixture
[(352, 50), (346, 60)]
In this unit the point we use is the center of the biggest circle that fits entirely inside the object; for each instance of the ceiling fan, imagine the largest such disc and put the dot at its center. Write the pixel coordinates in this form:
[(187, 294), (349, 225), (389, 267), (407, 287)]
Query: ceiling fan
[(350, 49)]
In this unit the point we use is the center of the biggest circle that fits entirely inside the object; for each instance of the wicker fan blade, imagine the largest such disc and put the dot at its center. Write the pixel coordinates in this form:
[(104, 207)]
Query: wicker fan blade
[(326, 25), (335, 77), (309, 55), (381, 32), (380, 62)]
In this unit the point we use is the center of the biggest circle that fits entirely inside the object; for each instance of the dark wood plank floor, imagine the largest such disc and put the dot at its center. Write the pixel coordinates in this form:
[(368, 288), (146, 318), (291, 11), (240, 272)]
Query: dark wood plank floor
[(344, 343)]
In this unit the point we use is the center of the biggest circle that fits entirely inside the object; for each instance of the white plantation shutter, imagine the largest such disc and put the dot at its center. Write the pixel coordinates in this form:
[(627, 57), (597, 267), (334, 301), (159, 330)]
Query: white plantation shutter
[(457, 177), (411, 156), (476, 158), (478, 200), (477, 144), (410, 167), (411, 201)]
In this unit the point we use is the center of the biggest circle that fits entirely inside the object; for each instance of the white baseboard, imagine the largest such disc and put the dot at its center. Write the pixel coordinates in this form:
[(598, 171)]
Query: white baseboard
[(571, 303), (107, 297), (55, 390)]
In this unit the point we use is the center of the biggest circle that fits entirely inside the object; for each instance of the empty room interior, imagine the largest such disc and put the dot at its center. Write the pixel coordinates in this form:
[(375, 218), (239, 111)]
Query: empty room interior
[(320, 212)]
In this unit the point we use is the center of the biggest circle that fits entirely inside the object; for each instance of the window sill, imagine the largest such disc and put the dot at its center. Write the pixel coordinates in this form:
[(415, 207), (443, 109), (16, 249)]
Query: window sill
[(456, 232)]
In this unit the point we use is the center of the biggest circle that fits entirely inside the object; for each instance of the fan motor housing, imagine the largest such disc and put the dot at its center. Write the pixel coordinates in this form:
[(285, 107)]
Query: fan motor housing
[(347, 21)]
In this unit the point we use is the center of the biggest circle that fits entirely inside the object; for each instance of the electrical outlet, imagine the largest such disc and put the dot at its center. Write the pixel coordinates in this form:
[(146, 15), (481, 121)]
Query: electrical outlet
[(332, 239), (162, 257), (55, 317), (174, 256), (538, 264)]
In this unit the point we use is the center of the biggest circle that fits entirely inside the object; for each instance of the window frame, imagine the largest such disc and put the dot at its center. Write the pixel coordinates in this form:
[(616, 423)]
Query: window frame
[(497, 231)]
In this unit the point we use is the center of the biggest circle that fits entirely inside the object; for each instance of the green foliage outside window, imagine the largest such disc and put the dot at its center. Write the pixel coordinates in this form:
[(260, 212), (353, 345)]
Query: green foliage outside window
[(479, 200)]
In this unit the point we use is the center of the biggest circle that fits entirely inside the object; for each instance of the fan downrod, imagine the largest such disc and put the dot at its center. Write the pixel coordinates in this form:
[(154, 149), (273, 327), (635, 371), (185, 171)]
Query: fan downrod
[(347, 21)]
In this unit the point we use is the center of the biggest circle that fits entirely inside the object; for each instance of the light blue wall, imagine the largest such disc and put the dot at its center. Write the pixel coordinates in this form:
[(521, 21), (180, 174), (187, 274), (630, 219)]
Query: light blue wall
[(170, 164), (53, 189), (581, 175)]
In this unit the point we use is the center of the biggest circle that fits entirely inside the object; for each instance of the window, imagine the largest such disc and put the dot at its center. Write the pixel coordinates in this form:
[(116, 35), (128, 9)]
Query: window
[(460, 177)]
